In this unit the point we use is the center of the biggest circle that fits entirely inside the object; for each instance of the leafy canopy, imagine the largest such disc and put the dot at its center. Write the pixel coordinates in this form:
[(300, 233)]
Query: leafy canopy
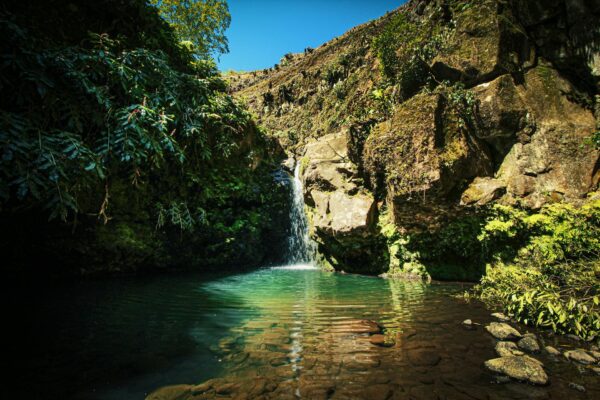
[(201, 24)]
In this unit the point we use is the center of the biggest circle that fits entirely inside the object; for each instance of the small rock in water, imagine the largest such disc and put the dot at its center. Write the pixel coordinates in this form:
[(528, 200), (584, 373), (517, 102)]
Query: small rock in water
[(580, 356), (423, 358), (505, 349), (503, 331), (552, 351), (595, 354), (577, 387), (380, 340), (170, 392), (467, 322), (522, 368), (529, 343), (596, 370), (500, 316)]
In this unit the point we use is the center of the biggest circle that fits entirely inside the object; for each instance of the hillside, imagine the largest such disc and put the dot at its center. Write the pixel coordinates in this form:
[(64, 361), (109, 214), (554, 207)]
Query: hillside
[(433, 112)]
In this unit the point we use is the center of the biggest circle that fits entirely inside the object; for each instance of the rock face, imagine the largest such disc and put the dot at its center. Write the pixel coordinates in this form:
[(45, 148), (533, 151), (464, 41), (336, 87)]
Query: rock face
[(529, 343), (522, 368), (343, 215), (498, 110)]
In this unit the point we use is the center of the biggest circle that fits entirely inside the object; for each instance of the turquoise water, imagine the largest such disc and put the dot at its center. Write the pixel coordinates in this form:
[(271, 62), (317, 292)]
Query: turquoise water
[(297, 327)]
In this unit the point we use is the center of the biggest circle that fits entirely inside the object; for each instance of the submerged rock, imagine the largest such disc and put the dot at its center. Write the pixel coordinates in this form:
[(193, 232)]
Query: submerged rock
[(522, 368), (381, 340), (580, 356), (503, 331), (175, 392), (505, 349), (577, 387)]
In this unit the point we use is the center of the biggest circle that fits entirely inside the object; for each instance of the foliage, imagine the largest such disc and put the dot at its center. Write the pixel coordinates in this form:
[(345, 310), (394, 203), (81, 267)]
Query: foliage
[(404, 49), (402, 261), (200, 24), (565, 300), (74, 116), (553, 277)]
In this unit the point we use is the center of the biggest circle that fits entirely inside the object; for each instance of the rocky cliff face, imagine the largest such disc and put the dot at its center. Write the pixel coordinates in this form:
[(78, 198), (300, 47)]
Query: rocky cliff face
[(433, 111)]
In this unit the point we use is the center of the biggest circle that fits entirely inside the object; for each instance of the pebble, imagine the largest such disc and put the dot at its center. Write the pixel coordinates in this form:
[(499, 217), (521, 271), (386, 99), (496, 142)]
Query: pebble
[(577, 387)]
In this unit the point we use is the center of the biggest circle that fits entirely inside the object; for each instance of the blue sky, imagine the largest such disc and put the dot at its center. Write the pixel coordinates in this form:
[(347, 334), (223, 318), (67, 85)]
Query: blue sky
[(262, 31)]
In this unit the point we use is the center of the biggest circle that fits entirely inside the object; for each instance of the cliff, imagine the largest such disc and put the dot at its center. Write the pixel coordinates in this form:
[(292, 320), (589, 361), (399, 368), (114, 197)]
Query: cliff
[(431, 114)]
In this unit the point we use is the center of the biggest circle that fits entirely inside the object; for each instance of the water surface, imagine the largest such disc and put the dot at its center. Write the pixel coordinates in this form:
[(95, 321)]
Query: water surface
[(298, 328)]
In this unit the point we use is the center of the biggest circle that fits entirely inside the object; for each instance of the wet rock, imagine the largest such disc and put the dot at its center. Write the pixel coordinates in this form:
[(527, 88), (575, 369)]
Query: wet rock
[(423, 357), (505, 349), (580, 356), (467, 322), (552, 351), (529, 343), (175, 392), (503, 331), (500, 316), (596, 370), (595, 354), (522, 368), (381, 340), (577, 387), (573, 337)]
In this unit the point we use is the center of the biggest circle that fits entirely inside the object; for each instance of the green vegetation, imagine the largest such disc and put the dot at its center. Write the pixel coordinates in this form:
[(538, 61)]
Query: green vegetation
[(105, 116), (543, 268), (200, 25), (404, 49)]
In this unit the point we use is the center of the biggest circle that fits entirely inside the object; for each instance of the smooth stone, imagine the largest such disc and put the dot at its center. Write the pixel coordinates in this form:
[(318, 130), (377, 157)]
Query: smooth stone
[(552, 351), (595, 354), (577, 387), (503, 331), (580, 356), (596, 370), (467, 322), (423, 357), (529, 343), (500, 316), (505, 349), (522, 368), (380, 340)]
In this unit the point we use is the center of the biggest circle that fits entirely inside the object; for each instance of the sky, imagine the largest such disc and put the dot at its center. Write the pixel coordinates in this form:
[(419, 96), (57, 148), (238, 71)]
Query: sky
[(262, 31)]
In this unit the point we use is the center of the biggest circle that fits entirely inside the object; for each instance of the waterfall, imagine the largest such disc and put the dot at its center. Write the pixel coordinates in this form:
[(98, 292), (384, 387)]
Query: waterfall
[(300, 249)]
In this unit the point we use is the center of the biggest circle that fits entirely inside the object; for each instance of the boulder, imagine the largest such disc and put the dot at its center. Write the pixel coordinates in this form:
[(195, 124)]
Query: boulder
[(521, 368), (343, 215), (529, 343), (503, 331), (580, 356)]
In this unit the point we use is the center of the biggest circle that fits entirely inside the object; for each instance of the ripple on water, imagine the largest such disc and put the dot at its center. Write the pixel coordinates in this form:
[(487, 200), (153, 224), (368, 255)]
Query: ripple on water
[(278, 332)]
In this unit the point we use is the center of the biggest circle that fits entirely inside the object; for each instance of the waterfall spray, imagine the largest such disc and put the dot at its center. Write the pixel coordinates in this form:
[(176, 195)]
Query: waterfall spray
[(300, 248)]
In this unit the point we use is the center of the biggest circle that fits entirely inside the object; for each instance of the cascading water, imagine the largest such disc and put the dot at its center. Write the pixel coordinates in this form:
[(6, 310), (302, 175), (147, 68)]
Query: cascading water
[(300, 249)]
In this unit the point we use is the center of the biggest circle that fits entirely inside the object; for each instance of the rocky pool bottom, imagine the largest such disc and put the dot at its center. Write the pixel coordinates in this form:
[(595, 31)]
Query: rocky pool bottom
[(276, 333)]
